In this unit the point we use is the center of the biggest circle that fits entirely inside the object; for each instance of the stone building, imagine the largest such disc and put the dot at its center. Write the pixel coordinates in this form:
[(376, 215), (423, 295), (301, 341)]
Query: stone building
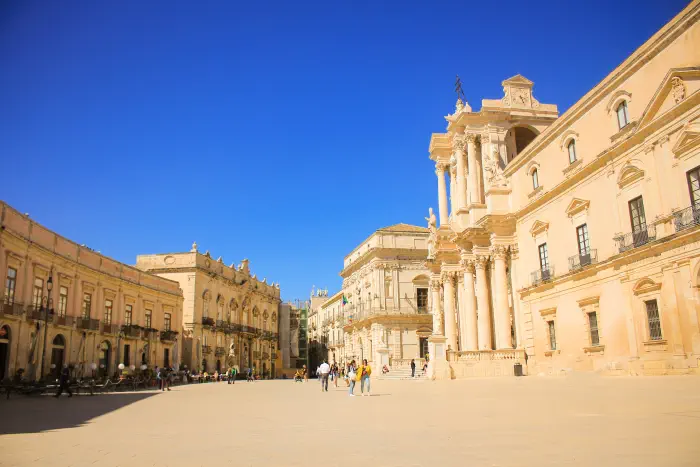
[(290, 330), (317, 349), (572, 242), (100, 312), (230, 317), (386, 318)]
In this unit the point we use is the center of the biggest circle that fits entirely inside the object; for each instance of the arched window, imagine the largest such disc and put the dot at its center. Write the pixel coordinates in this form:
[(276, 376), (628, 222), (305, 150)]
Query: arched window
[(623, 117), (572, 151), (535, 180)]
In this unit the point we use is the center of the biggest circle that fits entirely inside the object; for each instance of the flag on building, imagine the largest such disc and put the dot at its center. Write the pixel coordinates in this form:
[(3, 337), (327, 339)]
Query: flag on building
[(345, 300)]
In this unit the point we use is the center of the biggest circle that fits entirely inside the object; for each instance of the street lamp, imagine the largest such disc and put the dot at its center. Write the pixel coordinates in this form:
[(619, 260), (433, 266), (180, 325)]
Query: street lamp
[(49, 302)]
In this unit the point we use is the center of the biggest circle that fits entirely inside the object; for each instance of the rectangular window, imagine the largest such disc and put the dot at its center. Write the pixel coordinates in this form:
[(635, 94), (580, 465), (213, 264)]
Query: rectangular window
[(108, 312), (637, 216), (572, 152), (593, 326), (87, 305), (148, 318), (166, 321), (62, 301), (653, 319), (37, 292), (552, 336), (205, 311), (544, 257), (10, 284), (623, 117), (128, 315), (694, 187), (422, 298)]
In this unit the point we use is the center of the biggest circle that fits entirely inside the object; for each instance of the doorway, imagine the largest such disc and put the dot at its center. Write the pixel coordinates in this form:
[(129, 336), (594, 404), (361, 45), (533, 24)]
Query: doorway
[(218, 366), (4, 352), (166, 358), (423, 341), (58, 347)]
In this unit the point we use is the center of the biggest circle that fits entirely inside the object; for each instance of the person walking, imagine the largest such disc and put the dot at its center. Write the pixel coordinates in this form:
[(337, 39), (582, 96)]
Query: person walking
[(413, 368), (363, 375), (234, 373), (306, 374), (351, 374), (323, 371), (335, 373), (249, 377), (64, 382)]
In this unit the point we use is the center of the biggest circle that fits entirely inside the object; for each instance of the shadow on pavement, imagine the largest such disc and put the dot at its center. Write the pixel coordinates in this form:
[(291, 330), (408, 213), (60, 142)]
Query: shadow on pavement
[(37, 414)]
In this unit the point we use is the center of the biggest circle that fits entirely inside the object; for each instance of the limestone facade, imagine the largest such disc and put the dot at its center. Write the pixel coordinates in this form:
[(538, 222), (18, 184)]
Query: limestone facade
[(101, 312), (386, 319), (572, 242), (230, 317)]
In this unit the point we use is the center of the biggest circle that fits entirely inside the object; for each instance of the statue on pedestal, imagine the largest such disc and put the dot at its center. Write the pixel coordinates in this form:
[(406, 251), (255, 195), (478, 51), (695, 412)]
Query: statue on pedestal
[(432, 238)]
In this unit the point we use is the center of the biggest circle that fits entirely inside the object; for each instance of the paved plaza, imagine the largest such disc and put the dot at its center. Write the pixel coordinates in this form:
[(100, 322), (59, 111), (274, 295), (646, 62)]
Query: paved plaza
[(533, 421)]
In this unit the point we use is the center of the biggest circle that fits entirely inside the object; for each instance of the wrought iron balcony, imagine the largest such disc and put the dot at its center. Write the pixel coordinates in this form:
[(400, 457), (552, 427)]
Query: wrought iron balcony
[(11, 309), (219, 351), (580, 261), (687, 218), (636, 239), (63, 320), (88, 324), (168, 335), (133, 331), (206, 349), (208, 321), (108, 328), (220, 323), (35, 313), (542, 275)]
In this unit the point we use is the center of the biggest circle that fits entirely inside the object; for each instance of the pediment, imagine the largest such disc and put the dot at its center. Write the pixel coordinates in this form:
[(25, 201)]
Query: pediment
[(673, 88), (688, 138), (576, 206), (645, 285), (628, 175), (539, 227), (518, 80)]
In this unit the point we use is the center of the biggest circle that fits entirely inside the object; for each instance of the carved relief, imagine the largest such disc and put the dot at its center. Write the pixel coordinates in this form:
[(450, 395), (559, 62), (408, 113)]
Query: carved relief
[(677, 89), (493, 168)]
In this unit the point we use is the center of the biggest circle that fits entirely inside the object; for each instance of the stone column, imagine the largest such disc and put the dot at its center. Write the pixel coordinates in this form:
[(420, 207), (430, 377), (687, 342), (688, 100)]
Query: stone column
[(458, 144), (453, 188), (502, 310), (442, 194), (474, 195), (482, 299), (436, 308), (450, 322), (469, 324)]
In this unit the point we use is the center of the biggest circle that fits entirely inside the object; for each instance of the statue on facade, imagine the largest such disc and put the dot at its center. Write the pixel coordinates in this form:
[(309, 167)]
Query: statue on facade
[(194, 247), (492, 166), (432, 238)]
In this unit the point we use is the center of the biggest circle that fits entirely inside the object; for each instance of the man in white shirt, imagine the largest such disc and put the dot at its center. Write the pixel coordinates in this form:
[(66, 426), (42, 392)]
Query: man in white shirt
[(324, 370)]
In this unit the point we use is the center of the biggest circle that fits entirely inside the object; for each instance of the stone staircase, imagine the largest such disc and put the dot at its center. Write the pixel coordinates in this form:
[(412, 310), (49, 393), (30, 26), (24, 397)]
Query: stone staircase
[(400, 373)]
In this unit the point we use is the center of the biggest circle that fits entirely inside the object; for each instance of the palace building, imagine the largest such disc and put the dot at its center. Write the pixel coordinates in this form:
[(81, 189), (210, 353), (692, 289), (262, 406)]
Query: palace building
[(386, 317), (85, 309), (230, 317), (572, 242)]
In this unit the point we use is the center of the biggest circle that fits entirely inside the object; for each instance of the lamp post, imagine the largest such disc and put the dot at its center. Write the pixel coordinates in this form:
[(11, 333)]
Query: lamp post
[(49, 302)]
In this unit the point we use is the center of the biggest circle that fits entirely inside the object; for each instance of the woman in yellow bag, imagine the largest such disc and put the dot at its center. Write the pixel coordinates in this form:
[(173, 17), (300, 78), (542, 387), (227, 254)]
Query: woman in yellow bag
[(363, 376)]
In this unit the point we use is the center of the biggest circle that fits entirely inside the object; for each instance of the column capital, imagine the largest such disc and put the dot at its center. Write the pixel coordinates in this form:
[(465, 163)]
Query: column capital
[(459, 141), (468, 265), (480, 262), (435, 284), (499, 252), (472, 138), (440, 168), (449, 276)]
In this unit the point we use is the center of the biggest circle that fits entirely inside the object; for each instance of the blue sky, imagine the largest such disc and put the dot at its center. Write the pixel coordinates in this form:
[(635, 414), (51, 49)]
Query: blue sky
[(282, 132)]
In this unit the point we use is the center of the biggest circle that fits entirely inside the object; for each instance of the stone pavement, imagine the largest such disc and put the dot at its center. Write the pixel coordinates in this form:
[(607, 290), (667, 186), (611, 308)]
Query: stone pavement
[(577, 420)]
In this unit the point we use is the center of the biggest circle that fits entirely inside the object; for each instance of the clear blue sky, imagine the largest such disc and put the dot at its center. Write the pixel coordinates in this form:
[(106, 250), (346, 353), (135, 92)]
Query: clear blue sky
[(284, 132)]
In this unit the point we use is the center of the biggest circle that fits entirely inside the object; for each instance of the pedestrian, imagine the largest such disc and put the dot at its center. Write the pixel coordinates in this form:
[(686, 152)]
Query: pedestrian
[(249, 377), (234, 372), (159, 378), (335, 373), (351, 374), (413, 368), (363, 375), (64, 382), (171, 377), (323, 371), (306, 374)]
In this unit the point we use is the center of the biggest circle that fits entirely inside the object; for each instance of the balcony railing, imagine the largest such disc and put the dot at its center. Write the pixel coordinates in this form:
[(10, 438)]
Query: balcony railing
[(88, 324), (63, 320), (636, 239), (542, 275), (580, 261), (206, 349), (11, 309), (219, 351), (106, 328), (35, 313), (687, 218), (132, 331), (208, 321), (220, 323), (168, 335)]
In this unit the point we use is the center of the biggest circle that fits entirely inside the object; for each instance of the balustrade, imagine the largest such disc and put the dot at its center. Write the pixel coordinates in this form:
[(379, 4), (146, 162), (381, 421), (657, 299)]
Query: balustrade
[(542, 275), (687, 218), (636, 239), (580, 261)]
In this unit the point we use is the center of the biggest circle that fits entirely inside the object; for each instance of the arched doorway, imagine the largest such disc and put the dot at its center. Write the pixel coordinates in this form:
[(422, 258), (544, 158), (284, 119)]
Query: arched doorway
[(57, 352), (4, 352), (105, 355)]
